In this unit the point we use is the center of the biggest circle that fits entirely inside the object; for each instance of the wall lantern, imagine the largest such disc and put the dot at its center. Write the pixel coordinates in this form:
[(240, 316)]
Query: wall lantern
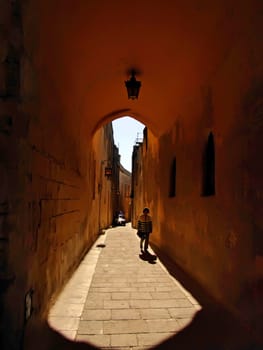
[(108, 171), (133, 86)]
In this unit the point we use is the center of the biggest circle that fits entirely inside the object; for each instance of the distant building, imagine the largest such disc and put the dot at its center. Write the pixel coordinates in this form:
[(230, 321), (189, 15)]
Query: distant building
[(125, 192)]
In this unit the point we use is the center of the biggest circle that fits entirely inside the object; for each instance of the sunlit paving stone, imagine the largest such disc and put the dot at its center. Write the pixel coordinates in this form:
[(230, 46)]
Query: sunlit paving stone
[(64, 316), (150, 339), (101, 341), (125, 314), (64, 323), (122, 340), (148, 314)]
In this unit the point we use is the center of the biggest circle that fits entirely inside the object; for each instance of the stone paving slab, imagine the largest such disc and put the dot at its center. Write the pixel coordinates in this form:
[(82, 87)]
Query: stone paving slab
[(119, 300)]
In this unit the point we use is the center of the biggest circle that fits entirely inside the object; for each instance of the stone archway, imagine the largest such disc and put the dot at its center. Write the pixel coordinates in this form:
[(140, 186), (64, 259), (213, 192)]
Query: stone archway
[(73, 61)]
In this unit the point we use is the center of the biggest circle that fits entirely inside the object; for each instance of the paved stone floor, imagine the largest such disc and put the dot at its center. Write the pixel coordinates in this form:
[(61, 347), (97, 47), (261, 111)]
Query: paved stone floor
[(117, 298), (121, 299)]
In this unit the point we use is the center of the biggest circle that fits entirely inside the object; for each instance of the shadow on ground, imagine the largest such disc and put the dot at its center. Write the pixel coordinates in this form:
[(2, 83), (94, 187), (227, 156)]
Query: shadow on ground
[(147, 256), (213, 327), (210, 330), (42, 337)]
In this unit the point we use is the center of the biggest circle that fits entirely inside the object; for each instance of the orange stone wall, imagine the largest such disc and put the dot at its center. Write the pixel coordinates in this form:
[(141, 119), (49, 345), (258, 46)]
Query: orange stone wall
[(57, 207), (54, 197), (216, 239), (125, 192)]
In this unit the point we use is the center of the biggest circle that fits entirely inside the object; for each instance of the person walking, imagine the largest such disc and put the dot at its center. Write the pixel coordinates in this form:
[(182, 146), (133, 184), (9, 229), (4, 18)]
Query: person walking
[(144, 228)]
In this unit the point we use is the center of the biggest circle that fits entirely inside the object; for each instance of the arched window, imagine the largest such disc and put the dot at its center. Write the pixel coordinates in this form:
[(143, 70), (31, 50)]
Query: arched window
[(12, 73), (94, 179), (209, 167), (145, 137), (172, 189)]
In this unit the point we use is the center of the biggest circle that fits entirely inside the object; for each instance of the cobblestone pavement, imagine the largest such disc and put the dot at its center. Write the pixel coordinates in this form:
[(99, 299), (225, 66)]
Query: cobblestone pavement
[(121, 298)]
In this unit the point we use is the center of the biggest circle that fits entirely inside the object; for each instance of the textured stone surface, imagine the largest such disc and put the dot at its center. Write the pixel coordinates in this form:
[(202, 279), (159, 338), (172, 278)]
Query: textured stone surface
[(118, 317)]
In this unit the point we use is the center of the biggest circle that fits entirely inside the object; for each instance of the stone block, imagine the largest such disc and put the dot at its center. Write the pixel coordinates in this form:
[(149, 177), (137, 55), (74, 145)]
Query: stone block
[(125, 314), (90, 327), (96, 315), (122, 340)]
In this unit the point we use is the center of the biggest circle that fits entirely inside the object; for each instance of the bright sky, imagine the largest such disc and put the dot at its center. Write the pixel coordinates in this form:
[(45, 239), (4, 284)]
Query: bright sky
[(125, 132)]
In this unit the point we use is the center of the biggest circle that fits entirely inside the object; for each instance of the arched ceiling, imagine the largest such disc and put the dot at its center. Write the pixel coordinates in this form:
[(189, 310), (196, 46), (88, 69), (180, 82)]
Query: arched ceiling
[(87, 47)]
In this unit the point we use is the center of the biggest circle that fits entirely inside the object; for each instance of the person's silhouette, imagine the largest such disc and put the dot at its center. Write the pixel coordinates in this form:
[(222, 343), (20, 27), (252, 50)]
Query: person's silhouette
[(144, 228)]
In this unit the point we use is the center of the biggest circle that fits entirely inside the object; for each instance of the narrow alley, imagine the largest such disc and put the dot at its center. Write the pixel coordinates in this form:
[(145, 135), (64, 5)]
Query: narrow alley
[(191, 72), (121, 298)]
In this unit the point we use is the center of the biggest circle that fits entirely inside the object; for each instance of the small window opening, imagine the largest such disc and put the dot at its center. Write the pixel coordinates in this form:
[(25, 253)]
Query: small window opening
[(94, 180), (209, 167), (172, 191), (145, 137)]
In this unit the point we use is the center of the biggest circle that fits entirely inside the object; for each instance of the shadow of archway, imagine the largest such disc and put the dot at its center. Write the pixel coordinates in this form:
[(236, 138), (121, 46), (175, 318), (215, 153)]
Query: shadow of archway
[(213, 327), (43, 337), (210, 329)]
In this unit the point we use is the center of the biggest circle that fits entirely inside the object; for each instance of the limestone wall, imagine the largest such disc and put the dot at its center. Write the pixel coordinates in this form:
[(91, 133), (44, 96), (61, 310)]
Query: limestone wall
[(54, 197), (214, 235), (13, 173), (125, 192), (215, 238), (54, 209)]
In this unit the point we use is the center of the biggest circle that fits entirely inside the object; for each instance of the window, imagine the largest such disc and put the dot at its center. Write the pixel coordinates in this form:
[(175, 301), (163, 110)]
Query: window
[(94, 179), (145, 137), (209, 167), (172, 190)]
